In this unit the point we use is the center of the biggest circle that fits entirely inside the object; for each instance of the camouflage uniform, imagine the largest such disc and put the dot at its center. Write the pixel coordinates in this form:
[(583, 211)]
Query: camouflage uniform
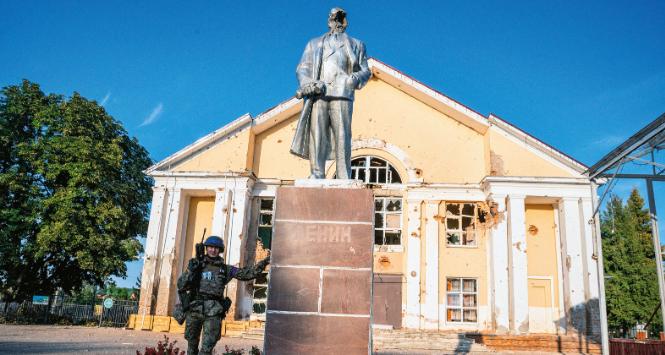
[(206, 309)]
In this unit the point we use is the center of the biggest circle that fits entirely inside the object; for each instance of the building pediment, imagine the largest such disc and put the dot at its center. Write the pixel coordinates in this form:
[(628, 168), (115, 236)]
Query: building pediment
[(232, 148)]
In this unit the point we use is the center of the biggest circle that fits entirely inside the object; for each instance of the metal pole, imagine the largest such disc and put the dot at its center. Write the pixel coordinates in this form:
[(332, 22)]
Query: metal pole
[(656, 248), (602, 305)]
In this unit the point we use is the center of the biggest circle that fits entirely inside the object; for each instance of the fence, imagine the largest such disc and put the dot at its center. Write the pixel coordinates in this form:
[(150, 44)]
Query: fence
[(636, 347), (66, 310)]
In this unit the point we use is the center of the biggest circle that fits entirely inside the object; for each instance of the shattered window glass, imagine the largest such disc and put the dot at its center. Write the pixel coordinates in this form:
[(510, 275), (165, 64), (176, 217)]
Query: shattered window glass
[(460, 223), (266, 204), (387, 221), (264, 240), (462, 300), (453, 238)]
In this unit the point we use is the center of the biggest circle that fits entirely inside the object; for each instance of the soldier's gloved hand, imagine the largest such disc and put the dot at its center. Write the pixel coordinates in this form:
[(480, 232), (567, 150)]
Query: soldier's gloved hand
[(194, 265)]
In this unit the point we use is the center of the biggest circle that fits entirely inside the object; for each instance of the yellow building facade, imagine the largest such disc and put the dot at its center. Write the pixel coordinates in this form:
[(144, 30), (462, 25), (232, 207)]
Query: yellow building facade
[(479, 226)]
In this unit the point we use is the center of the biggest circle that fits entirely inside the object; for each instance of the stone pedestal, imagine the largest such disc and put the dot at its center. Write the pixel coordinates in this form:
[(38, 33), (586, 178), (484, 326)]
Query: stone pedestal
[(321, 273)]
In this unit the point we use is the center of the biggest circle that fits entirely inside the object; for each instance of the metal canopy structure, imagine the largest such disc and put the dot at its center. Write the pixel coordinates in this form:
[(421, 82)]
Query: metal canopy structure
[(636, 158), (647, 141)]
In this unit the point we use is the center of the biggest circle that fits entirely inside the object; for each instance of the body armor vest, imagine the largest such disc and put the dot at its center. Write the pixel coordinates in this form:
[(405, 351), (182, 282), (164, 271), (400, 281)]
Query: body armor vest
[(214, 277)]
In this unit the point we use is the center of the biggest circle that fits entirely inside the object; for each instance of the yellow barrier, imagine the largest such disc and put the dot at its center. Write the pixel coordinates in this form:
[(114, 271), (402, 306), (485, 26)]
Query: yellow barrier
[(161, 323), (176, 328), (131, 322), (169, 324)]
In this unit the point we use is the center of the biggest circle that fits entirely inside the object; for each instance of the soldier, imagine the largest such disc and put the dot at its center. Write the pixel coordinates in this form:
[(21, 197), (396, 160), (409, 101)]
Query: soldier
[(201, 291)]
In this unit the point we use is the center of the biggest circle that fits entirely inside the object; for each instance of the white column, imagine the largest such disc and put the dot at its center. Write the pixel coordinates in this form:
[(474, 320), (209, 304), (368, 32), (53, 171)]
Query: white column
[(431, 311), (220, 214), (168, 258), (412, 315), (519, 283), (499, 267), (238, 225), (592, 294), (151, 254), (573, 263)]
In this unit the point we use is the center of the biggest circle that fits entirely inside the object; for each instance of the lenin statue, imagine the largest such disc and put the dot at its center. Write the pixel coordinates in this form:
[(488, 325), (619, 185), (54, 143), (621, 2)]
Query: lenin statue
[(332, 67)]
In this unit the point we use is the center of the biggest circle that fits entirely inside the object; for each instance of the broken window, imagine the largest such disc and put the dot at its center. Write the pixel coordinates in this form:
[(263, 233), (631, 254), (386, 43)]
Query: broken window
[(265, 222), (264, 239), (462, 300), (461, 223), (387, 220), (260, 293), (373, 170)]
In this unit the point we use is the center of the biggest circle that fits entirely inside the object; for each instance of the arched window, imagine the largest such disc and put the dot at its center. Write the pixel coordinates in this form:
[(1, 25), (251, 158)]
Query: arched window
[(387, 209), (373, 170)]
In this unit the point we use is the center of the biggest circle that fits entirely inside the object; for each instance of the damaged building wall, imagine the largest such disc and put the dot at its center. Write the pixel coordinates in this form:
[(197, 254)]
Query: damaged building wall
[(229, 154), (463, 261), (272, 158), (509, 157), (386, 113)]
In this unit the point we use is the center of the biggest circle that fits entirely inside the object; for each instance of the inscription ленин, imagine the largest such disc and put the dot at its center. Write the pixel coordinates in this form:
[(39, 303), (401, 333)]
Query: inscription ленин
[(328, 233)]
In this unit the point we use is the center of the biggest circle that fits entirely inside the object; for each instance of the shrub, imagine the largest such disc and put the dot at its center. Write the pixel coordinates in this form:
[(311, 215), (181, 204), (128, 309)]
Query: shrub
[(229, 351), (253, 351), (164, 347)]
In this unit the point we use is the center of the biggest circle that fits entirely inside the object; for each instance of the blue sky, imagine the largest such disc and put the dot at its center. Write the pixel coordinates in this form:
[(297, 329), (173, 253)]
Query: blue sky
[(581, 76)]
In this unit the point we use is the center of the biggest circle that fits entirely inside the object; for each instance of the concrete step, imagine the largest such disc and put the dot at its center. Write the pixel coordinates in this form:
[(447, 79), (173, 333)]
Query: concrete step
[(425, 340), (433, 347), (253, 336), (401, 340), (254, 333)]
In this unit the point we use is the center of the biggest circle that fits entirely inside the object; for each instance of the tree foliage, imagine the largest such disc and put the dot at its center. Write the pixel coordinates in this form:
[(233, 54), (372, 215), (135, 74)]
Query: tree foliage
[(73, 196), (632, 285)]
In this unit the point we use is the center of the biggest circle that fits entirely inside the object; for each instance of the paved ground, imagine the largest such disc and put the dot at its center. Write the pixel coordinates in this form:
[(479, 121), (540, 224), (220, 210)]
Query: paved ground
[(52, 340), (57, 340)]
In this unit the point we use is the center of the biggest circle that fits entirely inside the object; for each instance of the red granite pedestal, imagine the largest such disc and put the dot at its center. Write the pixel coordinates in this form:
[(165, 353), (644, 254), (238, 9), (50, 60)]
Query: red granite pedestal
[(321, 272)]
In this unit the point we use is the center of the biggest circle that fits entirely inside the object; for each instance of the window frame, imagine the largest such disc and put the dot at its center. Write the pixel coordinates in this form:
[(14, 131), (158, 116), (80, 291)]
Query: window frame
[(474, 219), (263, 300), (461, 294), (384, 212), (367, 170), (259, 224)]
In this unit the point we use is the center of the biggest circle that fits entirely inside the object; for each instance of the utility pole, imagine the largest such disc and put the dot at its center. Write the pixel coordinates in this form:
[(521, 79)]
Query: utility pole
[(656, 247)]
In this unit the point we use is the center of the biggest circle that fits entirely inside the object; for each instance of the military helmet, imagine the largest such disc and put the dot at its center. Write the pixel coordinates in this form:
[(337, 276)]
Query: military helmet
[(214, 241)]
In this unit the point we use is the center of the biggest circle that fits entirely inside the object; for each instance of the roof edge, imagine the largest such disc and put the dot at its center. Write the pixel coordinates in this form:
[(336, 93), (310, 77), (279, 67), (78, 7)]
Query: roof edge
[(549, 150), (238, 123), (475, 120)]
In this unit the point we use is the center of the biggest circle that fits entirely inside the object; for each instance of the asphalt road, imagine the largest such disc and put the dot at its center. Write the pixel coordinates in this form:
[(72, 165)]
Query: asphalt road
[(56, 340)]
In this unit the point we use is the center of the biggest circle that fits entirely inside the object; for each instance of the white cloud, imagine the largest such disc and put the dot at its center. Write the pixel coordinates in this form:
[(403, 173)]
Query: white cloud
[(608, 141), (152, 117), (105, 99)]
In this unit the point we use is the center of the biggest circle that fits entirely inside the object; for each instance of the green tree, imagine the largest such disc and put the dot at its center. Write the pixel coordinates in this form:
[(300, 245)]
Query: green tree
[(630, 265), (73, 196)]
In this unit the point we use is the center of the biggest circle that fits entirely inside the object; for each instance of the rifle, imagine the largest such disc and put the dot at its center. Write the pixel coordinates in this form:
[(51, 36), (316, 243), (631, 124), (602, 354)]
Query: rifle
[(200, 249), (188, 284)]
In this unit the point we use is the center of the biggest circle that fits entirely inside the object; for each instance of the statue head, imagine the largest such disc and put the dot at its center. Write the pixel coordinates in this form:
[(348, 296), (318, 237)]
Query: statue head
[(337, 20)]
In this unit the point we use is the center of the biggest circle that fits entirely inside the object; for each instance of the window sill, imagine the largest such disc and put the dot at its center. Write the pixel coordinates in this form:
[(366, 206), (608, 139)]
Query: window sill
[(462, 246), (388, 249)]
